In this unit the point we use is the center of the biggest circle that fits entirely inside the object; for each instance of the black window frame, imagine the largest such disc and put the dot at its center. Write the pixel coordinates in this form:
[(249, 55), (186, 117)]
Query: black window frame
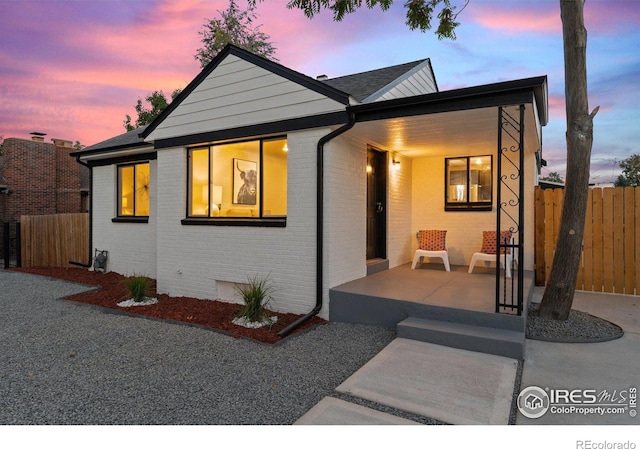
[(261, 220), (480, 206), (121, 218)]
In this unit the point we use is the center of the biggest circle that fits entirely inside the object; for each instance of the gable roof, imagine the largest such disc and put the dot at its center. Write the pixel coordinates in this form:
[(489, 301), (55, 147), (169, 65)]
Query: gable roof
[(363, 86), (271, 66)]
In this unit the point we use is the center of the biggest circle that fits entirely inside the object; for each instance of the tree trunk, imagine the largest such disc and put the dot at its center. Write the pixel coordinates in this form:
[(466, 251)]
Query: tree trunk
[(558, 294)]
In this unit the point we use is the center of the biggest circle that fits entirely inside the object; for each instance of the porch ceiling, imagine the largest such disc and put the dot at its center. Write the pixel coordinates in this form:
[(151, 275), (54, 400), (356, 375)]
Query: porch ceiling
[(442, 133)]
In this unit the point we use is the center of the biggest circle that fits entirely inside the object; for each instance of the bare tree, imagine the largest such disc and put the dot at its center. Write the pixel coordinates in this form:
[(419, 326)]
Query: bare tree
[(558, 294)]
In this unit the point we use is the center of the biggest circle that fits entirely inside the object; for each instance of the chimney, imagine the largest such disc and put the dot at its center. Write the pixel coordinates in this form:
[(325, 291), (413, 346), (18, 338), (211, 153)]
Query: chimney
[(37, 137), (62, 143), (322, 77)]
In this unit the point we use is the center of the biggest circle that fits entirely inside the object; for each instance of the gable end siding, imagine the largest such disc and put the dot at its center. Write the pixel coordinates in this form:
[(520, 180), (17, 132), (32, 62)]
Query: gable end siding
[(416, 82), (238, 93)]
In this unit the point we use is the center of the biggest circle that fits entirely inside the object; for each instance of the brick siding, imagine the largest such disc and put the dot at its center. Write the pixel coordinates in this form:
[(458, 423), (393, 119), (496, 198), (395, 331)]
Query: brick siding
[(42, 178)]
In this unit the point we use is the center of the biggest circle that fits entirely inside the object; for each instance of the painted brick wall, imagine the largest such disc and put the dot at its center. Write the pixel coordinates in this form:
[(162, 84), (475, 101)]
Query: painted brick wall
[(464, 229), (399, 234), (345, 234), (43, 179), (131, 246), (192, 259)]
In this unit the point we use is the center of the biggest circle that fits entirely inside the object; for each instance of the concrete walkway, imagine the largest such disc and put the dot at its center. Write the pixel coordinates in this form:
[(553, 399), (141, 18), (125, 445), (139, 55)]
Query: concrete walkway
[(612, 367), (447, 384), (462, 387)]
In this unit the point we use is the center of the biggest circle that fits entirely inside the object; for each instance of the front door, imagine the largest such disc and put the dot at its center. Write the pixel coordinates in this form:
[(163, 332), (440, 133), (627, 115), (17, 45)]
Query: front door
[(376, 204)]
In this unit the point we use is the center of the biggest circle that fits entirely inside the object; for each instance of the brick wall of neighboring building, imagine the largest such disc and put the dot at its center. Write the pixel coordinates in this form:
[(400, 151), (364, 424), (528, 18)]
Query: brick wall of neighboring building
[(41, 178)]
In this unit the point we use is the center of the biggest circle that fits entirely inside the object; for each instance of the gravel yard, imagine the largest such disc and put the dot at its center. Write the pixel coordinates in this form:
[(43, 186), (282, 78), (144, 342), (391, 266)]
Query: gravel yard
[(68, 363)]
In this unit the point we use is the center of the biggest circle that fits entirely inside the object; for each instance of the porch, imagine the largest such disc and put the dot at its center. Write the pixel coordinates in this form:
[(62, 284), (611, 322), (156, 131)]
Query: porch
[(453, 308)]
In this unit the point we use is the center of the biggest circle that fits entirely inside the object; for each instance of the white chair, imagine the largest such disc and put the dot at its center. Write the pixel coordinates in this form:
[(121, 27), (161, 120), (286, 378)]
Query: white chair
[(431, 243), (489, 249)]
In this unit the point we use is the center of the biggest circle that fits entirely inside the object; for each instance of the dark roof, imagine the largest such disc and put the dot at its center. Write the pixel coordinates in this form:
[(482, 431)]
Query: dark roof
[(362, 85), (126, 140)]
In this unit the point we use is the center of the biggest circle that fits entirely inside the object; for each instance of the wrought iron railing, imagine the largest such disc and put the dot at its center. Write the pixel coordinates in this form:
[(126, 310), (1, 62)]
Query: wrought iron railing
[(510, 210)]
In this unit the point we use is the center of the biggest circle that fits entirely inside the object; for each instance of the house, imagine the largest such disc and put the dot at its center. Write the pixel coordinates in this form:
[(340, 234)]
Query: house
[(340, 174), (39, 178)]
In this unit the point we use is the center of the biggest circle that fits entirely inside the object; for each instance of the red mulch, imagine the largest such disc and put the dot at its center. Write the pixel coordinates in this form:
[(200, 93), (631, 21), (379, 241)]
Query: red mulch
[(208, 313)]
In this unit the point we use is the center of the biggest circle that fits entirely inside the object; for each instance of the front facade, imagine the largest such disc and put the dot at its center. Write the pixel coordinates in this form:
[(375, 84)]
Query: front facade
[(257, 170)]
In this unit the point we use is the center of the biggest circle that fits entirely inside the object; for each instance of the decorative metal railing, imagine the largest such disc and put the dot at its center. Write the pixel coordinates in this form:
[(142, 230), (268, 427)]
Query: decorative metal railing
[(510, 210)]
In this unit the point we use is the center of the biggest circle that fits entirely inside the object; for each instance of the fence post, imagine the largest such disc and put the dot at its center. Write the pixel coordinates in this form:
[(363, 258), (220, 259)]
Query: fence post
[(7, 242), (18, 245)]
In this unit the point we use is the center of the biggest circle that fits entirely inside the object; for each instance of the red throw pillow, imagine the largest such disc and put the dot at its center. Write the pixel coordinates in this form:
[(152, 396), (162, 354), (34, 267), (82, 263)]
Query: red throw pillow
[(490, 243), (432, 240)]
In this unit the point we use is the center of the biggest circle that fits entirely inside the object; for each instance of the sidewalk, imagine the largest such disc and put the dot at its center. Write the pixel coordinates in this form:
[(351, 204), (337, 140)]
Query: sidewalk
[(612, 366), (463, 387)]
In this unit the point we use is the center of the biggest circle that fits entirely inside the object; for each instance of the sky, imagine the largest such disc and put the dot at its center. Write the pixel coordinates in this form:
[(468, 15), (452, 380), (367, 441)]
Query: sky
[(74, 69)]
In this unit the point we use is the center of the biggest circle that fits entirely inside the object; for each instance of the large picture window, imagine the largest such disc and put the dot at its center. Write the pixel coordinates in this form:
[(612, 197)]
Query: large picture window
[(238, 180), (133, 190), (469, 183)]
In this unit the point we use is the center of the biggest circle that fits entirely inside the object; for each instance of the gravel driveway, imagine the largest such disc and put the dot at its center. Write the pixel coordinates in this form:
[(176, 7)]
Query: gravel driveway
[(68, 363)]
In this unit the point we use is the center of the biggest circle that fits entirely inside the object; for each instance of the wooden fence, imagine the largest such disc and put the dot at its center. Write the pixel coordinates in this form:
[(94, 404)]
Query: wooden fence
[(54, 240), (610, 250)]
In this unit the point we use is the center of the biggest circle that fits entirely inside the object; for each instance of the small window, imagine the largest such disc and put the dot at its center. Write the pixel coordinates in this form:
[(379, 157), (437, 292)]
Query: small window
[(239, 180), (469, 183), (133, 190)]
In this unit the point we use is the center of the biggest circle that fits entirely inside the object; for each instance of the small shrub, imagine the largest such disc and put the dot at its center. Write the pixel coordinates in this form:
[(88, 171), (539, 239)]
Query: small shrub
[(138, 287), (256, 295)]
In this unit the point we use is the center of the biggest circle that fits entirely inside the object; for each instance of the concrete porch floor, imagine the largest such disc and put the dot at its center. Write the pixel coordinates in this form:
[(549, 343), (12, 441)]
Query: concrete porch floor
[(429, 304), (430, 284)]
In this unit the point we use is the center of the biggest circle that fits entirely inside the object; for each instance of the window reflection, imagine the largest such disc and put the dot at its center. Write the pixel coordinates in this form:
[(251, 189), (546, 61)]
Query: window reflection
[(468, 183)]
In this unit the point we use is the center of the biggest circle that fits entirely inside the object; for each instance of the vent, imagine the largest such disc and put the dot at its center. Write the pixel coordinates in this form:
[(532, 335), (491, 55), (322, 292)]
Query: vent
[(37, 136), (62, 143)]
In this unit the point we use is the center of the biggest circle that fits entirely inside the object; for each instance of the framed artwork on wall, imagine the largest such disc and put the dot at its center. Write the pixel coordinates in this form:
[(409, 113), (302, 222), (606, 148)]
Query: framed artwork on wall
[(245, 182)]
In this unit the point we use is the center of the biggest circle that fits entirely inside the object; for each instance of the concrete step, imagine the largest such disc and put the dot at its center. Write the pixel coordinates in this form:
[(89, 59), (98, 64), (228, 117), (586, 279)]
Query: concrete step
[(503, 342)]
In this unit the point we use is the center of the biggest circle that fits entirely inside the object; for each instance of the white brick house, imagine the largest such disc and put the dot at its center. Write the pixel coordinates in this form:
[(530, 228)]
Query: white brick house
[(165, 198)]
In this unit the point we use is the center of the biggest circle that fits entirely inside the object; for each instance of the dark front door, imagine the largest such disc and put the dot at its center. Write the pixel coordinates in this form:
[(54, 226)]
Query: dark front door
[(376, 204)]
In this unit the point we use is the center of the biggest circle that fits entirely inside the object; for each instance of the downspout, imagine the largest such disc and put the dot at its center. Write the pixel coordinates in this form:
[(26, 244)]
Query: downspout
[(319, 224), (88, 264)]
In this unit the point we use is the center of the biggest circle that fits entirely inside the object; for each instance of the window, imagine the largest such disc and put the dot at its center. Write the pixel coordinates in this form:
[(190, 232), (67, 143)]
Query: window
[(133, 190), (240, 180), (468, 183)]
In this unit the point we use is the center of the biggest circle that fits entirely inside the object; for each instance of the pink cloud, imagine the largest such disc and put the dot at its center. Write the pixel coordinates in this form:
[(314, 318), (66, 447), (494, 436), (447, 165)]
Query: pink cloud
[(544, 17), (516, 17)]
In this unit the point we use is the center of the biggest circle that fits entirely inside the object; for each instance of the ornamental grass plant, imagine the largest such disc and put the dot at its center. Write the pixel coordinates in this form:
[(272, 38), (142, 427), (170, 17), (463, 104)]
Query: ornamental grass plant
[(138, 287), (256, 295)]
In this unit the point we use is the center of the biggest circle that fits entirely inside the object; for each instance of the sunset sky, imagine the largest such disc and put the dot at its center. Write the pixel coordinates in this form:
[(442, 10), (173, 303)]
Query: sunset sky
[(74, 69)]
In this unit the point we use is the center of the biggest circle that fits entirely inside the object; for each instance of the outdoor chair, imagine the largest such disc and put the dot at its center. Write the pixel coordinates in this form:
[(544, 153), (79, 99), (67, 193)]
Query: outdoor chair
[(431, 243), (489, 249)]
